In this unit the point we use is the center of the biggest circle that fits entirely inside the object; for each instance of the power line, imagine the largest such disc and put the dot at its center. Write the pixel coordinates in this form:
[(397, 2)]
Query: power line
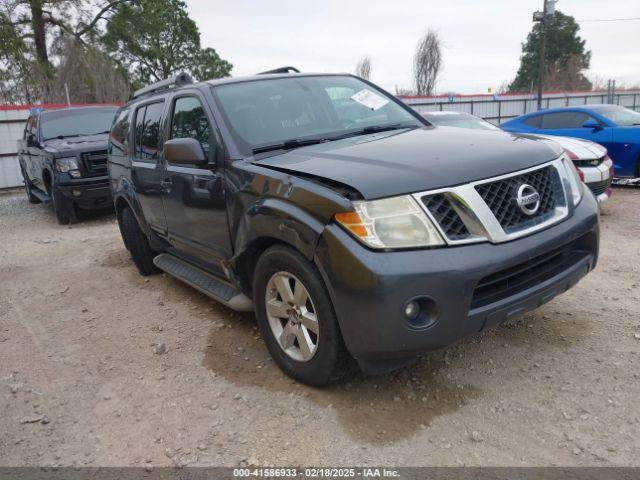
[(609, 19)]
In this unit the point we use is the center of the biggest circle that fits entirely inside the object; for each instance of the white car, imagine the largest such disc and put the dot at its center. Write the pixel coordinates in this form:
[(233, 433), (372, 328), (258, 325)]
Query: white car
[(593, 163), (591, 159)]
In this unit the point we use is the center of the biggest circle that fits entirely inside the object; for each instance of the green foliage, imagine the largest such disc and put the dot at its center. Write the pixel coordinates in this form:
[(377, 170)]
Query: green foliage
[(155, 39), (565, 57)]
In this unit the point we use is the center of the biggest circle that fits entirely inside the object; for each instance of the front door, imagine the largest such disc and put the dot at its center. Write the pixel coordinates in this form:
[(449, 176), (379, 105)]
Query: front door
[(569, 124), (147, 170), (194, 200)]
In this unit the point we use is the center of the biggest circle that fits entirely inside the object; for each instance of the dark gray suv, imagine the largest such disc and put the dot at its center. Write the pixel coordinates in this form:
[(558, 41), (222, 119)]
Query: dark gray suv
[(353, 227)]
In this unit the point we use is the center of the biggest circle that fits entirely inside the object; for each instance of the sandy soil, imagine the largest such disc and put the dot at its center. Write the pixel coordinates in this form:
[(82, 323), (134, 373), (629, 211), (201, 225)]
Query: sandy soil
[(83, 381)]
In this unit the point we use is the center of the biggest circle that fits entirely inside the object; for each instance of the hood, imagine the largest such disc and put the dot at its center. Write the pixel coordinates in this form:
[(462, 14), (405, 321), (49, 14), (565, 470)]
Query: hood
[(395, 163), (583, 149), (67, 147)]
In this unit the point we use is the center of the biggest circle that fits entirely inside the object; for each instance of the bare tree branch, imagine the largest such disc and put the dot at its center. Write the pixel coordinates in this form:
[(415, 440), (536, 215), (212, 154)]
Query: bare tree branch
[(363, 68), (97, 18), (427, 63)]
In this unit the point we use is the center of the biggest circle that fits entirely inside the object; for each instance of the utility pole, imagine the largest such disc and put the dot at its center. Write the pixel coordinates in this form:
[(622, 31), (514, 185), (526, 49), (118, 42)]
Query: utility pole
[(541, 54), (548, 8)]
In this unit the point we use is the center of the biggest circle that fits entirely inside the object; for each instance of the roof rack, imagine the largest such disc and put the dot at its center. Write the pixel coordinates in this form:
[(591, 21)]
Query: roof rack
[(281, 70), (177, 81)]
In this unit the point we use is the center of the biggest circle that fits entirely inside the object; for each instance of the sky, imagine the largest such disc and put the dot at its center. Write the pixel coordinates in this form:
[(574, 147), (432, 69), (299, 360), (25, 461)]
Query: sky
[(481, 39)]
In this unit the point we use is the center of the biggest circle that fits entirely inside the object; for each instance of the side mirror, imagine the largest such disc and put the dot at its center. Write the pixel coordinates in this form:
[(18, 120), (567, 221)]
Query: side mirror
[(31, 140), (184, 151), (592, 124)]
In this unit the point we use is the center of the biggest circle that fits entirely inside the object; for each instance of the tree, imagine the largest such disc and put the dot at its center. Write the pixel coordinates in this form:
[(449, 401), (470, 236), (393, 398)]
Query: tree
[(565, 57), (155, 39), (39, 36), (363, 67), (427, 63)]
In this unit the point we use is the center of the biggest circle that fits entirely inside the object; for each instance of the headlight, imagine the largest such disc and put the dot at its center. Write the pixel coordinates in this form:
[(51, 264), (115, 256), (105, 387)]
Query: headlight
[(575, 183), (396, 222), (68, 164)]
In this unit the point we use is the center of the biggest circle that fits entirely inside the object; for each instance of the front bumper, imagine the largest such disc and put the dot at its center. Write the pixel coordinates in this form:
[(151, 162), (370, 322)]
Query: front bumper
[(370, 289), (87, 193), (599, 179)]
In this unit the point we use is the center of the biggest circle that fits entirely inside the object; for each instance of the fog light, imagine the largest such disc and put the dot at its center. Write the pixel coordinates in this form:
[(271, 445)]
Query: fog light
[(421, 312), (412, 310), (76, 193)]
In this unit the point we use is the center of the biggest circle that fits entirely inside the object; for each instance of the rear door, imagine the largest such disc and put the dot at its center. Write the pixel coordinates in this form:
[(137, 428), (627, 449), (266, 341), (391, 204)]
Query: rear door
[(146, 165), (194, 199)]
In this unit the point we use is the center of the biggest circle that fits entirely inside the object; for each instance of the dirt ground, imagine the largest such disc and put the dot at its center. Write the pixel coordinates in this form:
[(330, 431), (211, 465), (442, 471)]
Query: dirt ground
[(83, 380)]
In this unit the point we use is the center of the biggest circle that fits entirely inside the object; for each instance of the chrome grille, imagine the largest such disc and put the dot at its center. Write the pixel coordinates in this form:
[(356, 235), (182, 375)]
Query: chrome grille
[(488, 210), (500, 196), (95, 163), (446, 216)]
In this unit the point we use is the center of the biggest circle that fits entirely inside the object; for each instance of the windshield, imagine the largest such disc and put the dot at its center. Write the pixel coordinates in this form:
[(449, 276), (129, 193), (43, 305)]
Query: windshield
[(275, 111), (72, 123), (619, 115), (462, 120)]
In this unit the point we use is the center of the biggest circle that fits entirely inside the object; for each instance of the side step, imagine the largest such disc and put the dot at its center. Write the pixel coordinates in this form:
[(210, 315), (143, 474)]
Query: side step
[(208, 284), (40, 195)]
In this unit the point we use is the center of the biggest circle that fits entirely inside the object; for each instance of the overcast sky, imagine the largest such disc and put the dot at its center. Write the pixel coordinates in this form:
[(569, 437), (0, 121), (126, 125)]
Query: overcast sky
[(481, 38)]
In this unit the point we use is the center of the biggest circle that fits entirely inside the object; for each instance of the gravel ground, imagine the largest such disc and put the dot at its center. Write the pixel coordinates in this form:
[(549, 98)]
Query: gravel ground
[(100, 366)]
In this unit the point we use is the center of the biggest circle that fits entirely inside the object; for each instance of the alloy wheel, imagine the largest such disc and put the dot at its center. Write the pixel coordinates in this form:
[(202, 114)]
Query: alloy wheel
[(292, 316)]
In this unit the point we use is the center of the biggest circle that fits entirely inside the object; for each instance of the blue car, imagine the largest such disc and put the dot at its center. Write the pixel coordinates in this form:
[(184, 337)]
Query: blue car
[(614, 127)]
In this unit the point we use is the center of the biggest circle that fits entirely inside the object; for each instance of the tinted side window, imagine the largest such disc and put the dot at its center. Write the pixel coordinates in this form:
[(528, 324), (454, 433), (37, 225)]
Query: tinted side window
[(147, 130), (190, 121), (120, 133), (564, 120), (139, 127), (535, 121)]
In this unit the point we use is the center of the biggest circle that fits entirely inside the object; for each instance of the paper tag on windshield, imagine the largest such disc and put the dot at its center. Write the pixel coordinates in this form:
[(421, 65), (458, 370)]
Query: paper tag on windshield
[(369, 99)]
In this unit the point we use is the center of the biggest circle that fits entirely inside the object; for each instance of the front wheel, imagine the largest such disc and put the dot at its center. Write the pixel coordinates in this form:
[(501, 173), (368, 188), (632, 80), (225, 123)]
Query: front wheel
[(296, 317), (63, 207)]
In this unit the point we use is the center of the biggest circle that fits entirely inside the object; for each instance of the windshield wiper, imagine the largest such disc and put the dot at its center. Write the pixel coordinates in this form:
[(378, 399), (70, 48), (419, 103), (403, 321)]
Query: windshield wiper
[(62, 137), (295, 143), (96, 133), (376, 129), (289, 144)]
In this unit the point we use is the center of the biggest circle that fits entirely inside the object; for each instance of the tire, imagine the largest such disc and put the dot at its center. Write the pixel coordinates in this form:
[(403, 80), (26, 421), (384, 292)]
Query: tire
[(63, 207), (137, 243), (28, 186), (329, 358)]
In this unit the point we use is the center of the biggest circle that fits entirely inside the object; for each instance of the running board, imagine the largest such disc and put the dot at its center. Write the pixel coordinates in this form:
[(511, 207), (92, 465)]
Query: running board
[(208, 284), (40, 195)]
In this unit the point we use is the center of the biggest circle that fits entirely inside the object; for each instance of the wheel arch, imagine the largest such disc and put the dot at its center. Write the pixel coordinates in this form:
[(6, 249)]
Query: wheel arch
[(269, 222), (124, 195), (47, 180)]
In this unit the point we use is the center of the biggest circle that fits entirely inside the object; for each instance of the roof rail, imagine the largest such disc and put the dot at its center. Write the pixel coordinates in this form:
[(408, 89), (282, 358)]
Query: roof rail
[(281, 70), (177, 81)]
